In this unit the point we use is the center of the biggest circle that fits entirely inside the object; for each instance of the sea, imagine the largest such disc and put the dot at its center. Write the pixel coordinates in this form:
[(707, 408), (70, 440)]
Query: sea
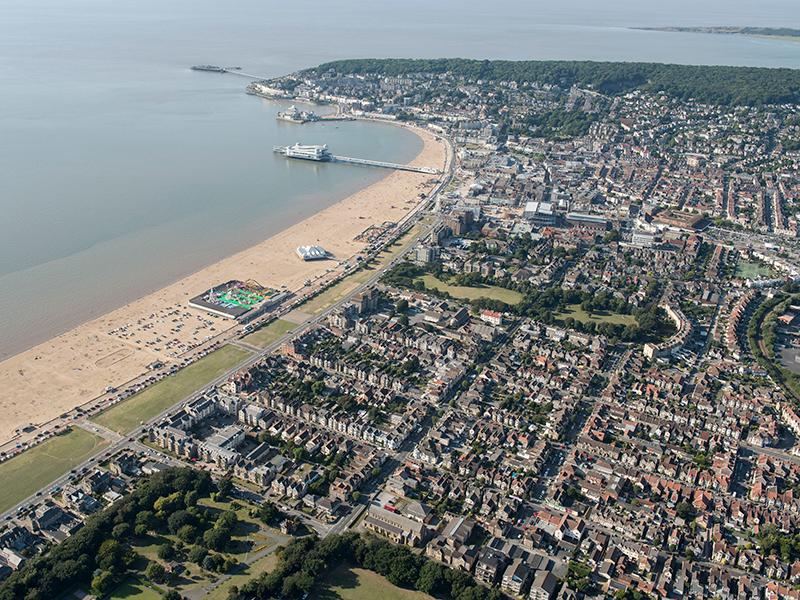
[(122, 170)]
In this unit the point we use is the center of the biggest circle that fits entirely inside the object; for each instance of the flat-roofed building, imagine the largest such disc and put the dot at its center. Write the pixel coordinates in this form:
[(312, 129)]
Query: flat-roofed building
[(587, 221), (540, 213)]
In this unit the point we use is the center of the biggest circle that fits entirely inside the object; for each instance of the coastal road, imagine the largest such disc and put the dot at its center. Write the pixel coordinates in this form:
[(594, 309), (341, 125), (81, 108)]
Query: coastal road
[(131, 443)]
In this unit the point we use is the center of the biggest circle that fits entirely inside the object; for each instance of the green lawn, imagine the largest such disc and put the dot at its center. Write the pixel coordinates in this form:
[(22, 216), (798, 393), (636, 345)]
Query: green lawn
[(133, 589), (343, 583), (262, 565), (753, 270), (266, 335), (24, 474), (576, 312), (464, 292), (127, 416)]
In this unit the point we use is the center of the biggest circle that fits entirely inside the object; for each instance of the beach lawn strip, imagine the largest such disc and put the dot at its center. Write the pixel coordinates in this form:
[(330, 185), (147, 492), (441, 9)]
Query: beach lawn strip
[(35, 468), (143, 406), (268, 334)]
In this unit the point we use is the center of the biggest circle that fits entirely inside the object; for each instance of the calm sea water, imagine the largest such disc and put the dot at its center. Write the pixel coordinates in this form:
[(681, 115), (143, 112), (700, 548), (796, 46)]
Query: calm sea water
[(121, 170)]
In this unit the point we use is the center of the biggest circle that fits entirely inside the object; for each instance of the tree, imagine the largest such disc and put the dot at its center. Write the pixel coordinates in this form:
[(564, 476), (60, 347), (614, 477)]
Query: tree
[(212, 562), (172, 594), (147, 520), (197, 554), (168, 504), (404, 571), (269, 513), (297, 585), (224, 488), (166, 551), (191, 498), (684, 510), (431, 579), (178, 519), (67, 570), (217, 538), (121, 531), (188, 534), (103, 582), (155, 572), (110, 555), (229, 564), (227, 520)]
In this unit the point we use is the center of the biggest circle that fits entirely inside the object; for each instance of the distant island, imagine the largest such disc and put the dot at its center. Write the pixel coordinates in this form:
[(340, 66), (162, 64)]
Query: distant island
[(782, 32)]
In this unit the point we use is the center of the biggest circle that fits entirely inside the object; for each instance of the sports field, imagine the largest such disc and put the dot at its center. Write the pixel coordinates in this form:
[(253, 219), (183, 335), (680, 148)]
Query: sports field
[(129, 414), (576, 312), (23, 475), (464, 292), (268, 334), (343, 583), (753, 270)]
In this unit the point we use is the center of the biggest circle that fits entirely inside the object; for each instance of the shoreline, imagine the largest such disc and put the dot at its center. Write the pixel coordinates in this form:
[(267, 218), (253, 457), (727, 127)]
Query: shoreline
[(73, 368), (49, 328)]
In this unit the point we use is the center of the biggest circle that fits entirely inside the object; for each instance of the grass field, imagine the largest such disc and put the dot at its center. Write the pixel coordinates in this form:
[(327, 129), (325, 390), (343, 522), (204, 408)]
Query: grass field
[(262, 565), (127, 415), (343, 583), (753, 270), (266, 335), (472, 293), (23, 475), (133, 589), (576, 312)]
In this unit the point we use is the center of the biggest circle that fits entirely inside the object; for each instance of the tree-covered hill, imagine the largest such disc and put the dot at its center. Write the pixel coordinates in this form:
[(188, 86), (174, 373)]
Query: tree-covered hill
[(747, 86)]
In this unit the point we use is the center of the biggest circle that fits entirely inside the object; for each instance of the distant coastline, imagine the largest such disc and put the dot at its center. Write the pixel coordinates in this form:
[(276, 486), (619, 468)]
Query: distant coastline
[(785, 33)]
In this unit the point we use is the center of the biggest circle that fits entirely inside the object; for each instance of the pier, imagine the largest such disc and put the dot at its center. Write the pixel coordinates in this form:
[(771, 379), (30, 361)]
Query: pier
[(320, 153), (248, 75), (385, 165), (231, 70)]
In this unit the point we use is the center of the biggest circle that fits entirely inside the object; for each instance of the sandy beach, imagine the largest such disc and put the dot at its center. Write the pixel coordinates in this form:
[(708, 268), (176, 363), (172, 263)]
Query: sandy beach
[(77, 366)]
